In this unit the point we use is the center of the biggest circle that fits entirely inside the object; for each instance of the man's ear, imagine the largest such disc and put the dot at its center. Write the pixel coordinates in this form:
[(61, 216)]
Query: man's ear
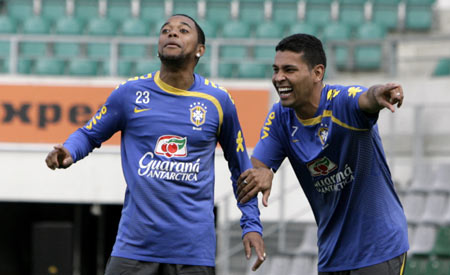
[(319, 72)]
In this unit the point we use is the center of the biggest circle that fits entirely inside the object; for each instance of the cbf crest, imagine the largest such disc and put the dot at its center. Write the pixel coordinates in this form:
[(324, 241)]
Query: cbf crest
[(198, 114), (323, 133)]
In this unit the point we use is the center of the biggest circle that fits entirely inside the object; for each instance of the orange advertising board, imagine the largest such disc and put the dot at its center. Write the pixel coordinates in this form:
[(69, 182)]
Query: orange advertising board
[(49, 114)]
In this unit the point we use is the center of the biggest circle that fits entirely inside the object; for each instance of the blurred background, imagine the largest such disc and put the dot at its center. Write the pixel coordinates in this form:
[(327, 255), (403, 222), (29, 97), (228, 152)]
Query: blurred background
[(60, 59)]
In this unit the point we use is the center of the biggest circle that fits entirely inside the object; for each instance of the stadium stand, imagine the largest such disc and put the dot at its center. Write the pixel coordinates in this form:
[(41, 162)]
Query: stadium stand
[(86, 9), (49, 66), (285, 12), (318, 12), (118, 10), (369, 57), (83, 67), (385, 13), (19, 10), (442, 67), (352, 12), (53, 10), (419, 14)]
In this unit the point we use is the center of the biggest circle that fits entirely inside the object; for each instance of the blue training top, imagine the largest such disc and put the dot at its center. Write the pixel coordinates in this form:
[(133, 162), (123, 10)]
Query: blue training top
[(168, 141), (339, 160)]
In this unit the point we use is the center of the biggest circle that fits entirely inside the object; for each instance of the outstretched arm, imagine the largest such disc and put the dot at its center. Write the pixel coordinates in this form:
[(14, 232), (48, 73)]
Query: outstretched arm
[(255, 180), (59, 157), (378, 97)]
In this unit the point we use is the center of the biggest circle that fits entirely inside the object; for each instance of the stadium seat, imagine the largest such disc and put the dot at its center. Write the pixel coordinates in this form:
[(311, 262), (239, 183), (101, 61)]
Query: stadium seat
[(422, 176), (24, 66), (7, 26), (318, 12), (134, 27), (303, 27), (442, 244), (144, 67), (385, 13), (251, 11), (82, 67), (337, 32), (267, 30), (226, 70), (34, 25), (118, 10), (423, 241), (86, 9), (124, 68), (235, 29), (419, 15), (218, 11), (442, 68), (52, 10), (285, 13), (252, 70), (440, 182), (67, 26), (153, 12), (309, 244), (49, 66), (369, 57), (4, 65), (435, 207), (19, 10), (351, 12), (413, 205), (189, 7), (203, 67), (301, 262), (209, 28), (438, 266), (416, 265), (100, 27)]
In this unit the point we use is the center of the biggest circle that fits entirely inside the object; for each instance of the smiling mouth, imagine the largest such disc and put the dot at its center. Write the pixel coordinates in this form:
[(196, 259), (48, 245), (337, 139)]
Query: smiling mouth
[(284, 92)]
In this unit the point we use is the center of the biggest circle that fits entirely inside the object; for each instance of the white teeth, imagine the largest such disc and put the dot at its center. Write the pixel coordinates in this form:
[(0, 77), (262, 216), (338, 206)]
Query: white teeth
[(284, 89)]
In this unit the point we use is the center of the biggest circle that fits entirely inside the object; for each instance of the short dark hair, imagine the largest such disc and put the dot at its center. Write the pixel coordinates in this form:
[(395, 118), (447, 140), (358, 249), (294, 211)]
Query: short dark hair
[(309, 45), (201, 35)]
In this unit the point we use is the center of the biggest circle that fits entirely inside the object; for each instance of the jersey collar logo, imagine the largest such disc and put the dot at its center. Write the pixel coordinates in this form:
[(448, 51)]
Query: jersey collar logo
[(171, 146)]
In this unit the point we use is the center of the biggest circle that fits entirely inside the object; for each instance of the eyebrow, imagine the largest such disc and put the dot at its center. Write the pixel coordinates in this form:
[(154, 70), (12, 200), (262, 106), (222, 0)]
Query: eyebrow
[(184, 23)]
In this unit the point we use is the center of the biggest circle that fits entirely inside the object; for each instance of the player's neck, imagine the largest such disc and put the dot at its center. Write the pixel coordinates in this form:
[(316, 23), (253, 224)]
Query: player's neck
[(181, 79), (309, 108)]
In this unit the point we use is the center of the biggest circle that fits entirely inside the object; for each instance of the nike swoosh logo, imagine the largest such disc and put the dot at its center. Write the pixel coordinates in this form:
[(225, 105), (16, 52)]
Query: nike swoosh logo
[(136, 110), (295, 140)]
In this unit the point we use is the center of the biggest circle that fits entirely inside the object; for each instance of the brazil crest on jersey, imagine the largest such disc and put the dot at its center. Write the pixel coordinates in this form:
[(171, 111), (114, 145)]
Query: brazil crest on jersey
[(339, 160), (168, 141)]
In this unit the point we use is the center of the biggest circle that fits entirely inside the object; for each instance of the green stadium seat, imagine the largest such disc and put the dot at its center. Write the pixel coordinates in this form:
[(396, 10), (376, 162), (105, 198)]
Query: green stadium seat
[(439, 266), (19, 10), (124, 68), (226, 70), (4, 65), (303, 27), (351, 12), (53, 10), (49, 66), (416, 265), (318, 12), (100, 27), (252, 70), (118, 10), (218, 12), (418, 18), (203, 67), (34, 25), (369, 57), (188, 7), (153, 12), (7, 26), (251, 11), (337, 32), (83, 67), (442, 244), (285, 13), (209, 28), (134, 27), (442, 68), (385, 13), (267, 30), (24, 66), (86, 9), (67, 26), (235, 29), (144, 67)]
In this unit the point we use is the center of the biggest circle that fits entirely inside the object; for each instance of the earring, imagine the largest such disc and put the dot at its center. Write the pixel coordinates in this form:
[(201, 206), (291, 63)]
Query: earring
[(198, 55), (157, 55)]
